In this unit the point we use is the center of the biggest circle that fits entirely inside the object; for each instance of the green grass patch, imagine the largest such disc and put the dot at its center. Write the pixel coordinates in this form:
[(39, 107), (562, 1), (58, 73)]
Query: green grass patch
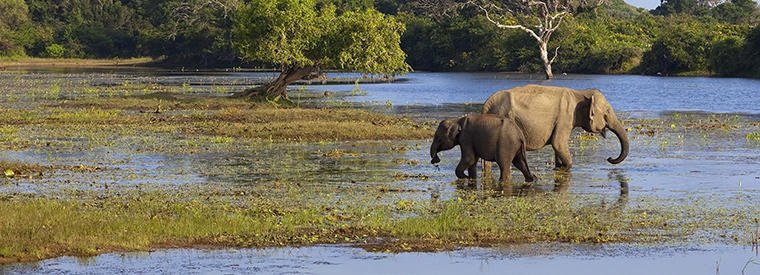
[(37, 228), (222, 118), (753, 137)]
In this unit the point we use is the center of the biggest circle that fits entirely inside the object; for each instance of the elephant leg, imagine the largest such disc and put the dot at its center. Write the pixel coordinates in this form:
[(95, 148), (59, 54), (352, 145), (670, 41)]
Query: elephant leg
[(467, 161), (460, 169), (473, 170), (562, 152), (522, 165), (505, 176)]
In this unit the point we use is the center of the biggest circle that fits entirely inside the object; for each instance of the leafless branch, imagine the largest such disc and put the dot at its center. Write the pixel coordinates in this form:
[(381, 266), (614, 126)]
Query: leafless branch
[(556, 51)]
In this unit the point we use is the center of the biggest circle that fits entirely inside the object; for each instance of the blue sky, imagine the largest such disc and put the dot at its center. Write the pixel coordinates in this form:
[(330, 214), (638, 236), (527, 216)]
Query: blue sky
[(647, 4)]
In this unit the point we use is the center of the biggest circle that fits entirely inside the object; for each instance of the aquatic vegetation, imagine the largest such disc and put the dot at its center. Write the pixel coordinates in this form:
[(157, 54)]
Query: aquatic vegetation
[(38, 227), (753, 137), (15, 169), (357, 89)]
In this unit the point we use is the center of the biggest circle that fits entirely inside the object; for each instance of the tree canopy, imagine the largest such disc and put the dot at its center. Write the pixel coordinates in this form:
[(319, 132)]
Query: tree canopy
[(14, 27), (307, 36), (607, 36)]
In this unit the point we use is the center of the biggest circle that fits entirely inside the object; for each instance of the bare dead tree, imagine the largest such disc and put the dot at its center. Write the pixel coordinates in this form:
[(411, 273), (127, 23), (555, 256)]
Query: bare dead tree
[(538, 18)]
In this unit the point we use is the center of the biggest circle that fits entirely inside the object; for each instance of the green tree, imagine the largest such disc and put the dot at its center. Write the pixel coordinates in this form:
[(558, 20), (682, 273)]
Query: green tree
[(686, 43), (680, 48), (453, 43), (726, 56), (540, 19), (735, 11), (604, 43), (691, 7), (198, 32), (89, 28), (14, 27), (302, 38), (750, 65)]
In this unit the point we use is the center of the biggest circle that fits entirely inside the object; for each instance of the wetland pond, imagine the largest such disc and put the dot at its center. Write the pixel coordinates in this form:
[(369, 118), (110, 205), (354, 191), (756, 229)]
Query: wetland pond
[(695, 144)]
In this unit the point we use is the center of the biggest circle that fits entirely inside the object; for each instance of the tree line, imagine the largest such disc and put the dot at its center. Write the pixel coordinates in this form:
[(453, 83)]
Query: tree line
[(719, 37)]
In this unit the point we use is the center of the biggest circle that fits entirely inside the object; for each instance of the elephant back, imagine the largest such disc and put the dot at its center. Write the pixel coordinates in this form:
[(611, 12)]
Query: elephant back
[(499, 103)]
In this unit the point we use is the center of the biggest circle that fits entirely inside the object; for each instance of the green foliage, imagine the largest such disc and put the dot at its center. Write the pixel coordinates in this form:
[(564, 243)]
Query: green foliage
[(680, 36), (54, 51), (14, 27), (750, 55), (465, 43), (735, 11), (300, 33), (281, 32), (197, 33), (601, 43), (752, 137), (691, 7), (681, 48), (688, 44), (725, 56)]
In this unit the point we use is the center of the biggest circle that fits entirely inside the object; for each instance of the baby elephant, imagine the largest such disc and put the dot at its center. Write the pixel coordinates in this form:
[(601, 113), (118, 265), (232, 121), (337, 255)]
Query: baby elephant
[(490, 137)]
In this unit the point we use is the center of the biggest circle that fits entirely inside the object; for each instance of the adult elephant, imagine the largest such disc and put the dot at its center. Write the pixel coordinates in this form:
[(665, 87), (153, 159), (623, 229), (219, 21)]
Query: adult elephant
[(548, 114)]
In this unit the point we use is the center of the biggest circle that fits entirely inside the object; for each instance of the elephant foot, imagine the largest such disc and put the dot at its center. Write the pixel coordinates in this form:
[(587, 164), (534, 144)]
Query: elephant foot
[(531, 178)]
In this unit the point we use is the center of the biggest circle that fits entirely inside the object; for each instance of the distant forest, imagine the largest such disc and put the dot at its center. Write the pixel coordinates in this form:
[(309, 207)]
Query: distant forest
[(679, 37)]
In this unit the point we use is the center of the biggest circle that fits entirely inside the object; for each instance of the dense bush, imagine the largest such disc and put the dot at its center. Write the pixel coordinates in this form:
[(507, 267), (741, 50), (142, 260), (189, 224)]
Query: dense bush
[(15, 27), (687, 44)]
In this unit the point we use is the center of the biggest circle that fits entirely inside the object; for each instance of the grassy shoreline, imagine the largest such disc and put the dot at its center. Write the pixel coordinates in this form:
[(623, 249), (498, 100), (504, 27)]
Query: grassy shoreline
[(37, 62), (40, 228)]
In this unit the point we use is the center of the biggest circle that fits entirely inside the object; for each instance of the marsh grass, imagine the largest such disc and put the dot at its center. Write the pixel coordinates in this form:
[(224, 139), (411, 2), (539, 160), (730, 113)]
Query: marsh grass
[(34, 228), (12, 169), (753, 137), (15, 169), (178, 121)]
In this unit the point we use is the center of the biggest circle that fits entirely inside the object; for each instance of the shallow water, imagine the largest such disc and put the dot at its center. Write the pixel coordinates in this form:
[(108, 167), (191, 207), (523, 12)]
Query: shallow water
[(520, 259), (676, 163), (626, 93)]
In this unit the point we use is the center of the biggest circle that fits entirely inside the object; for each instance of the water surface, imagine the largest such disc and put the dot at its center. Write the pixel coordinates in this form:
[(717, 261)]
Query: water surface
[(534, 259)]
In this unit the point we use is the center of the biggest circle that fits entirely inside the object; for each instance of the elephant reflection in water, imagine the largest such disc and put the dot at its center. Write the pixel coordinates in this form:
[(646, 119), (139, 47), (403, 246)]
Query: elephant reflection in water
[(562, 182)]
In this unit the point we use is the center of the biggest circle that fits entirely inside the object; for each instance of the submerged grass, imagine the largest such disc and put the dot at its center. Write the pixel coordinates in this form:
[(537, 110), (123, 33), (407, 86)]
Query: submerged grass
[(15, 169), (37, 228)]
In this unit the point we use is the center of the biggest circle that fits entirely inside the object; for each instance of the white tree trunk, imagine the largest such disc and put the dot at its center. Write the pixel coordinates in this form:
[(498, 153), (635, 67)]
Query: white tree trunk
[(545, 60)]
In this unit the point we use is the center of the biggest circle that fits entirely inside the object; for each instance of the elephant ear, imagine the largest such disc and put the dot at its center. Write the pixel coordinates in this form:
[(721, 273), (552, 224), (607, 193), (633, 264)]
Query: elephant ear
[(591, 107), (596, 111), (456, 128)]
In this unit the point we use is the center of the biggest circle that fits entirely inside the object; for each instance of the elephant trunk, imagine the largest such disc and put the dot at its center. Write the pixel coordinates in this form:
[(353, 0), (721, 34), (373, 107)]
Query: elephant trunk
[(617, 127), (434, 153)]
